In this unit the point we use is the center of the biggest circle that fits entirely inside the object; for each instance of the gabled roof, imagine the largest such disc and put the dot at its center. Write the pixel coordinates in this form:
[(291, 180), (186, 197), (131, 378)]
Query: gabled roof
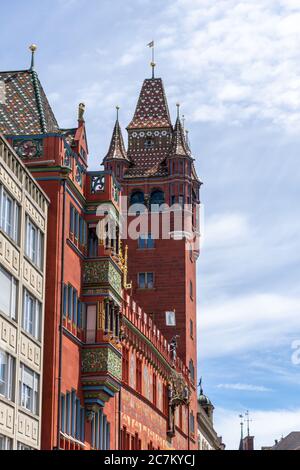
[(290, 442), (179, 144), (152, 108), (25, 108), (117, 149)]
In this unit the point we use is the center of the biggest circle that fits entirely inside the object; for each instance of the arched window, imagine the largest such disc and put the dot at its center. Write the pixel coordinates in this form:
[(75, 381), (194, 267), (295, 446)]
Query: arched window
[(137, 198), (157, 198)]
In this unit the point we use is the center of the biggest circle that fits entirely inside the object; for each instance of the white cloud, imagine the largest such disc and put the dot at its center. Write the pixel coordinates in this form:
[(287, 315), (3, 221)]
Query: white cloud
[(266, 426), (243, 56), (224, 229), (244, 387), (252, 322)]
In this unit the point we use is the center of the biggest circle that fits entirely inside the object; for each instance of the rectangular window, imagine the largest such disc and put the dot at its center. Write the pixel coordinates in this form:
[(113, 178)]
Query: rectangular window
[(32, 315), (5, 443), (171, 318), (7, 375), (8, 294), (34, 244), (29, 389), (192, 423), (191, 329), (63, 413), (125, 367), (146, 241), (9, 215), (154, 390), (139, 375), (22, 446), (146, 280), (191, 289)]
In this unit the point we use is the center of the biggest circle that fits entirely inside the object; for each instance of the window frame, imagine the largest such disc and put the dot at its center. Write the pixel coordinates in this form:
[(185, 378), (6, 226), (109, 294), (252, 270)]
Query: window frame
[(8, 376), (14, 294), (34, 249), (36, 315), (147, 284), (24, 389), (14, 224)]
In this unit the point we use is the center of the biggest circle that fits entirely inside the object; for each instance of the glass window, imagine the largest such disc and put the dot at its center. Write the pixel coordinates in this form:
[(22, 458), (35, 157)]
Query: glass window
[(142, 280), (22, 446), (9, 215), (7, 375), (146, 280), (8, 294), (32, 311), (157, 199), (146, 241), (5, 443), (29, 389), (137, 198), (34, 243)]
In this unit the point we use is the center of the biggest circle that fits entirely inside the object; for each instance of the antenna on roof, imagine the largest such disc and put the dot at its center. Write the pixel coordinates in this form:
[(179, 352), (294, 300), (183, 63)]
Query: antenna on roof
[(242, 426), (248, 421), (32, 48)]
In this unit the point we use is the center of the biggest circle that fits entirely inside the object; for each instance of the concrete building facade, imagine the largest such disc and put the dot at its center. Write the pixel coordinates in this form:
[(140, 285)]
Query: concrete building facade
[(23, 238)]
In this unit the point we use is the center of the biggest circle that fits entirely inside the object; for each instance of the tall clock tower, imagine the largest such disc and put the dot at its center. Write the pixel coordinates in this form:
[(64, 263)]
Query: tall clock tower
[(157, 170)]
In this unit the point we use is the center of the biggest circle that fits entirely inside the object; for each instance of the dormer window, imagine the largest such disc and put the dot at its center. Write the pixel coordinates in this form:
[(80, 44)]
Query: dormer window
[(149, 143)]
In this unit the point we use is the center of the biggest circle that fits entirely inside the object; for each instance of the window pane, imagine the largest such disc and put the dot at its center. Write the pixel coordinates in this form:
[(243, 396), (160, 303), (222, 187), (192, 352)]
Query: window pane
[(142, 284), (150, 279), (3, 373), (5, 292)]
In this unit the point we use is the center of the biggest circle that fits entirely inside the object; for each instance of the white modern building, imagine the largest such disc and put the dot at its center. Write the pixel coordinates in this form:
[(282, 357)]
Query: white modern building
[(23, 229)]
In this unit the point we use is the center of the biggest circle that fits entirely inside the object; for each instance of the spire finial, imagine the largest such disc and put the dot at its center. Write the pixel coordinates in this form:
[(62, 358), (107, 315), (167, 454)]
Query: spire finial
[(118, 109), (32, 48), (153, 64), (178, 109)]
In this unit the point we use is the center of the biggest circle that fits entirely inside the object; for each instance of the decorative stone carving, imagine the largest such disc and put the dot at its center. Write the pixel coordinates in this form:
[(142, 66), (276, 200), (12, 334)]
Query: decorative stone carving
[(102, 360), (97, 183)]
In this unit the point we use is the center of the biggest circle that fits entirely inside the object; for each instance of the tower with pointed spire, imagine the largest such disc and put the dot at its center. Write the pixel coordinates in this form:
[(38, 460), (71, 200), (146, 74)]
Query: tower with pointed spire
[(159, 169)]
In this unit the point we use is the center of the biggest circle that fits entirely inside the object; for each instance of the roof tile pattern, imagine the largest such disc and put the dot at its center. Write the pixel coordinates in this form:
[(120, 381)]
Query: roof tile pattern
[(152, 107), (117, 149), (25, 108), (179, 143)]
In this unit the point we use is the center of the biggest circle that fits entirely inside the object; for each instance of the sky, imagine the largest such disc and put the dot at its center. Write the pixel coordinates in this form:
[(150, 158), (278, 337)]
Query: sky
[(234, 66)]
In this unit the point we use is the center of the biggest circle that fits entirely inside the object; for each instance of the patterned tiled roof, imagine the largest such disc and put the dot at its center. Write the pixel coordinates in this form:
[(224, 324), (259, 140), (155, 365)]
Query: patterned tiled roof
[(152, 107), (117, 149), (179, 143), (24, 107)]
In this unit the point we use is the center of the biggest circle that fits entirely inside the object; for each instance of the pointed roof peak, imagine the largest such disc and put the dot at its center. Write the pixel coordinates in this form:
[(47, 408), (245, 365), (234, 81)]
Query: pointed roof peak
[(179, 142), (152, 109), (117, 149)]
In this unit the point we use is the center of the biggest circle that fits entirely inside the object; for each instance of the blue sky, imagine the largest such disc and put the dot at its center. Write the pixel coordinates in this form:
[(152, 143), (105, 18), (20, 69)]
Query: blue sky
[(234, 66)]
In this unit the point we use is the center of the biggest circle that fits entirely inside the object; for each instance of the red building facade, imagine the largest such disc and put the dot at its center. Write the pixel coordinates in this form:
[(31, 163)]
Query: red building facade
[(117, 375)]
